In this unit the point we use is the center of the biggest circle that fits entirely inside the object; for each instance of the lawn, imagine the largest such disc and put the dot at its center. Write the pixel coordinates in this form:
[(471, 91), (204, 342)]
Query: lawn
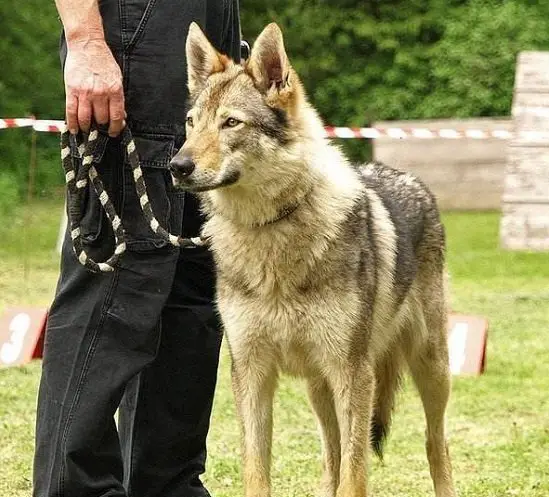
[(498, 423)]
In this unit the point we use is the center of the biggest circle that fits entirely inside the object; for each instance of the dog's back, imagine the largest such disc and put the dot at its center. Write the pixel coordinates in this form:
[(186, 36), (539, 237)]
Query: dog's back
[(415, 220), (408, 243)]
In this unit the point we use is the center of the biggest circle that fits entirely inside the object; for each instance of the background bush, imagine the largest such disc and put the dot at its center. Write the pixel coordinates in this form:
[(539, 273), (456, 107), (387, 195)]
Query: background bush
[(30, 84), (361, 61)]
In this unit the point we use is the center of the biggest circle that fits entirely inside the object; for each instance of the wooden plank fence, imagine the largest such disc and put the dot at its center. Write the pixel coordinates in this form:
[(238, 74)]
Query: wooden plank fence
[(511, 175), (465, 173)]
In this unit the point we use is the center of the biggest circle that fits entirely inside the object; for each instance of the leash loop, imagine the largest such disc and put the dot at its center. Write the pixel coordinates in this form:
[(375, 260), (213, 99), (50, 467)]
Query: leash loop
[(79, 170)]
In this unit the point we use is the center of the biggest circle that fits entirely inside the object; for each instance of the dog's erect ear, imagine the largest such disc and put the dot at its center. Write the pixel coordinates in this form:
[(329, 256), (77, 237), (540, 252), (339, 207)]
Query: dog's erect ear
[(203, 59), (268, 63)]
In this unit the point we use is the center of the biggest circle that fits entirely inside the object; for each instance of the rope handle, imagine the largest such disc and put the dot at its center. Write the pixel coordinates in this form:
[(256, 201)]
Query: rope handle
[(80, 170)]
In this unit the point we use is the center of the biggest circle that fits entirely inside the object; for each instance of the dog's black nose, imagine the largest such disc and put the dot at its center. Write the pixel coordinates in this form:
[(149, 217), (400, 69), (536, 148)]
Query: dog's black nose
[(182, 167)]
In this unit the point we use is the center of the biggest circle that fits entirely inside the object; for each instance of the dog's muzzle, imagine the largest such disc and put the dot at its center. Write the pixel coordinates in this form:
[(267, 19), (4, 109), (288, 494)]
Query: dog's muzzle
[(182, 167)]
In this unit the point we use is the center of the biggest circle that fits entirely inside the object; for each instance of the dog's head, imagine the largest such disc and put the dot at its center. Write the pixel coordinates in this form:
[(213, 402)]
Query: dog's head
[(240, 116)]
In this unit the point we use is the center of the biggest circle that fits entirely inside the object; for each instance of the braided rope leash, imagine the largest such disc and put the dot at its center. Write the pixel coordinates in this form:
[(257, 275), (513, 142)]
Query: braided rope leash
[(78, 170)]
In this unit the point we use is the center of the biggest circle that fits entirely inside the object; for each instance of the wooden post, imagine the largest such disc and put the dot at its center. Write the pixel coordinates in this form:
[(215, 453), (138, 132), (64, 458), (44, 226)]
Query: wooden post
[(525, 220)]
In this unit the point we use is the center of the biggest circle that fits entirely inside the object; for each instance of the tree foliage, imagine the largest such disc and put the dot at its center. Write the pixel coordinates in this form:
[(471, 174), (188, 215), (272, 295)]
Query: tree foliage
[(360, 60), (371, 60), (30, 84), (473, 66)]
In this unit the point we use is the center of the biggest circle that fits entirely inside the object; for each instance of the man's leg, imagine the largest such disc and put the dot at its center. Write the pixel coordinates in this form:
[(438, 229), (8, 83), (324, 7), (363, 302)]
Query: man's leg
[(102, 330), (165, 414), (164, 417)]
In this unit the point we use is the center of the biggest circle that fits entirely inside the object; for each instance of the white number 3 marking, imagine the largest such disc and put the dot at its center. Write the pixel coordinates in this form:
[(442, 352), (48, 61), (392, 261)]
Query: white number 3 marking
[(19, 326)]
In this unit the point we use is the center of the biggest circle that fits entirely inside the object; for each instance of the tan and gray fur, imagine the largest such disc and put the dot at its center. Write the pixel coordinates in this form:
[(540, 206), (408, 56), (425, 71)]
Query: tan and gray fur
[(326, 271)]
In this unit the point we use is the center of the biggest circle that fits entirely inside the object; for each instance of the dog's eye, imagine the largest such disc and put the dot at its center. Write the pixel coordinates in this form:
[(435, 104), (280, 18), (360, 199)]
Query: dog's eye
[(231, 122), (190, 122)]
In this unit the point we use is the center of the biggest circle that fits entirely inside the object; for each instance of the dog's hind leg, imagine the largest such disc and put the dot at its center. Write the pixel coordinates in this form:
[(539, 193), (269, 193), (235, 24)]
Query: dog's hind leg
[(254, 384), (322, 401), (353, 388), (429, 365)]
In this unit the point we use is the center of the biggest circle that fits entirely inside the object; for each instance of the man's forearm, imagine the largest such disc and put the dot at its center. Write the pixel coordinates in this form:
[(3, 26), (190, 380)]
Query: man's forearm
[(93, 80), (81, 20)]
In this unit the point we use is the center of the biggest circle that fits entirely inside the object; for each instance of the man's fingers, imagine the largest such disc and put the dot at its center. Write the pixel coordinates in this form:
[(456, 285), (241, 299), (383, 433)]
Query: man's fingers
[(72, 113), (116, 114), (101, 110), (84, 106), (84, 114)]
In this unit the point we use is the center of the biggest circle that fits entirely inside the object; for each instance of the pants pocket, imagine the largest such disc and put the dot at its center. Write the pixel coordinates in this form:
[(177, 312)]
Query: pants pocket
[(154, 151), (139, 234), (134, 15), (94, 224)]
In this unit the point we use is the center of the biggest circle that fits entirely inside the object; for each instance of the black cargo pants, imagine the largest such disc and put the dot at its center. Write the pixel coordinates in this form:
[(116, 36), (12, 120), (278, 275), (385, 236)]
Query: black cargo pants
[(144, 338)]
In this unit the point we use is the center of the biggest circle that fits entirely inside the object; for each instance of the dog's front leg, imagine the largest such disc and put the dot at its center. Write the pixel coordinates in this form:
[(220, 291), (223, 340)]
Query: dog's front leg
[(322, 401), (353, 387), (254, 383)]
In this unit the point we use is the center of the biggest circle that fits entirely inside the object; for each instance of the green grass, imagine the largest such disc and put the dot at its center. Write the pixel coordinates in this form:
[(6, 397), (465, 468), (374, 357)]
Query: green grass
[(498, 423), (28, 258)]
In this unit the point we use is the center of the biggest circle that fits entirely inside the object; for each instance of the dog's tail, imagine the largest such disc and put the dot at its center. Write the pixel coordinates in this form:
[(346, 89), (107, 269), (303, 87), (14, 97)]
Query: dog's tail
[(388, 379)]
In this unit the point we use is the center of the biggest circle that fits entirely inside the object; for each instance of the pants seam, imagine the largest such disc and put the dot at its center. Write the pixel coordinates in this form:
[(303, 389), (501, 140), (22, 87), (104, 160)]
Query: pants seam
[(123, 24), (81, 380), (131, 458), (134, 426), (141, 26)]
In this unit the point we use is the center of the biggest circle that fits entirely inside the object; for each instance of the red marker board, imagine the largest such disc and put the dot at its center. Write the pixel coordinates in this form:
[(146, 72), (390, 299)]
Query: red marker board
[(21, 335)]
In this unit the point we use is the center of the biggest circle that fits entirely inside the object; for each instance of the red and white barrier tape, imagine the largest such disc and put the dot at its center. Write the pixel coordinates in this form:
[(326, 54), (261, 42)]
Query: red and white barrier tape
[(337, 132), (400, 133), (38, 125)]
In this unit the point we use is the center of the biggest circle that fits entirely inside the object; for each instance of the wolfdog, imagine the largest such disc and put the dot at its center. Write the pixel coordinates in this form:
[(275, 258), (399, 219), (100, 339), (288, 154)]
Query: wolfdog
[(325, 270)]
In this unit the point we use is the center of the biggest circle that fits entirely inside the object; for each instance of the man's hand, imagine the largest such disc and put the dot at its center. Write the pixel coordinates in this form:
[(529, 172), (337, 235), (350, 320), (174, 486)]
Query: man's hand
[(93, 87)]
